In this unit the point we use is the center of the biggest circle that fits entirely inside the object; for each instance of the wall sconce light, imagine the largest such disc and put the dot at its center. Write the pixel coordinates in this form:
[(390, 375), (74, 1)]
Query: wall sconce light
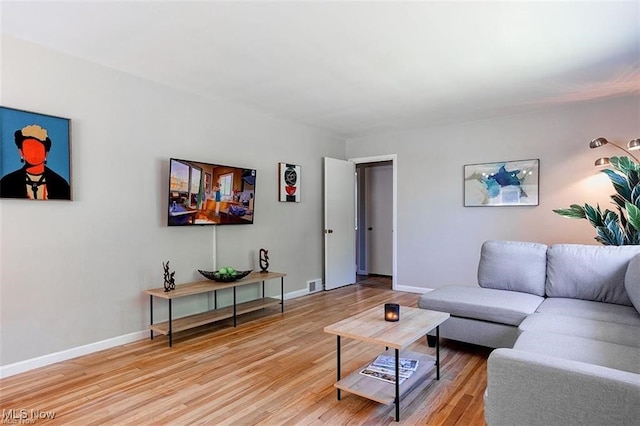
[(633, 145)]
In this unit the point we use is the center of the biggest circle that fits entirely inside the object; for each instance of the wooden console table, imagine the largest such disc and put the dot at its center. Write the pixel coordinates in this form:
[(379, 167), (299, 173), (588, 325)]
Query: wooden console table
[(184, 323)]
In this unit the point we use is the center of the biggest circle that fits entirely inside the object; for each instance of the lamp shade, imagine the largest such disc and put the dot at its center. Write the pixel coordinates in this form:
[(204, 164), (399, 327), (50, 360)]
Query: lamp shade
[(634, 145), (598, 142), (601, 162)]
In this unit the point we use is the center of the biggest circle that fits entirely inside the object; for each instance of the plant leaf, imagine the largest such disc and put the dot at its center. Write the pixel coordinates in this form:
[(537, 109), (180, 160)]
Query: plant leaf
[(633, 177), (610, 233), (574, 211), (604, 236), (610, 217), (593, 215), (633, 215), (631, 235), (622, 164), (612, 222), (635, 195), (623, 220), (618, 200), (619, 183)]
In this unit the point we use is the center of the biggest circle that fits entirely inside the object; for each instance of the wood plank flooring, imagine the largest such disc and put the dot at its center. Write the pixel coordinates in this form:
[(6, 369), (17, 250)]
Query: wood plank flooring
[(273, 369)]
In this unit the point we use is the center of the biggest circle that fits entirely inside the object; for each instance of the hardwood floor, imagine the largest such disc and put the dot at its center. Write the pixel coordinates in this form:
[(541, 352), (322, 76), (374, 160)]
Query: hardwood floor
[(273, 369)]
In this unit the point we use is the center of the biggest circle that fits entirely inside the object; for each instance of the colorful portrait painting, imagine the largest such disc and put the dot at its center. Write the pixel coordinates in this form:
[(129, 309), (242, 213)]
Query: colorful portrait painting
[(510, 183), (35, 156)]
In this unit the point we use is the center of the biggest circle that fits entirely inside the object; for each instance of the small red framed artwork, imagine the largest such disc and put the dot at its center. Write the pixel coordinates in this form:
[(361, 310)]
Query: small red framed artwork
[(289, 182)]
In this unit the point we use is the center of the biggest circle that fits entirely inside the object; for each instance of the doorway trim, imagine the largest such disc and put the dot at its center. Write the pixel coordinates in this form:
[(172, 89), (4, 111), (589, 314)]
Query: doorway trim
[(394, 159)]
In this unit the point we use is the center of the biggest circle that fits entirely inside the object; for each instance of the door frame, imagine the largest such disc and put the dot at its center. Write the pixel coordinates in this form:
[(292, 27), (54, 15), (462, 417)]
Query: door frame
[(394, 159)]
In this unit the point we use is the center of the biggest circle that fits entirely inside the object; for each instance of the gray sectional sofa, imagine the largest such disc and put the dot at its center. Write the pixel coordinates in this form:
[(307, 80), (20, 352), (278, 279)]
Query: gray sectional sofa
[(565, 322)]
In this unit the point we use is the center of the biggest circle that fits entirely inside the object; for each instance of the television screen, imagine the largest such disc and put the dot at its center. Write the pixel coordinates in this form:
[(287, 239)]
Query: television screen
[(209, 194)]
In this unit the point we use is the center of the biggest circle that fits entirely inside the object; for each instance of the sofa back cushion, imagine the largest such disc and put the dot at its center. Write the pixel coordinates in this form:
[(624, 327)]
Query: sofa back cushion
[(513, 265), (632, 281), (589, 272)]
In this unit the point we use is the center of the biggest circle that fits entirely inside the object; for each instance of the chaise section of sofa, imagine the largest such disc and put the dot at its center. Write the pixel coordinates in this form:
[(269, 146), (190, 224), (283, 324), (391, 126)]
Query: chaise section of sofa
[(482, 316), (511, 275)]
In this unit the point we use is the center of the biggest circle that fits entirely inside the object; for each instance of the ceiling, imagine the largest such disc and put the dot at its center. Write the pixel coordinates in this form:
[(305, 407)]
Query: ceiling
[(355, 68)]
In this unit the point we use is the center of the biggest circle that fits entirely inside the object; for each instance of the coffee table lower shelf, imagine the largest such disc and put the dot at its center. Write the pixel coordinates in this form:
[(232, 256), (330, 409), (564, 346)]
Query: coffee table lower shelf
[(385, 392)]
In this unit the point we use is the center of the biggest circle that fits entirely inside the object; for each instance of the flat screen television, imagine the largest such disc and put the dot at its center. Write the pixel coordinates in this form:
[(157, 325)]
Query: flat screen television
[(209, 194)]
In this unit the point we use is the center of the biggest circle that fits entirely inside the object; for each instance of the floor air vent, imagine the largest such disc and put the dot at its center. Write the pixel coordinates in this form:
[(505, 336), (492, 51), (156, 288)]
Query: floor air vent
[(314, 285)]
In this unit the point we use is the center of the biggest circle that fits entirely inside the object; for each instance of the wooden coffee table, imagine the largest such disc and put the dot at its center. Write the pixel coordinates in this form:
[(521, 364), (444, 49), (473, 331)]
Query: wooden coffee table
[(370, 326)]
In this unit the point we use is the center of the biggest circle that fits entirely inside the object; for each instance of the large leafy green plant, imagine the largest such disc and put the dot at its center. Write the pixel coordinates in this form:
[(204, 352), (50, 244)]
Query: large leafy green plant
[(615, 229)]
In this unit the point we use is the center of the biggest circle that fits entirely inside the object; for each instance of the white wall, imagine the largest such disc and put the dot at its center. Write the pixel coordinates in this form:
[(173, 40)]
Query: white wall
[(73, 273), (439, 239)]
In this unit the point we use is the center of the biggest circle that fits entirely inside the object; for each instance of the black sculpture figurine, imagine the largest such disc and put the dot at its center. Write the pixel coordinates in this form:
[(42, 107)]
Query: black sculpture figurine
[(264, 261), (169, 278)]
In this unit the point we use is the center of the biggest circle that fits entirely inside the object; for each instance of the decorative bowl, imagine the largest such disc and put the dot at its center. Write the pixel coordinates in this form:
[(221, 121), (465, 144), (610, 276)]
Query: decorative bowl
[(215, 276)]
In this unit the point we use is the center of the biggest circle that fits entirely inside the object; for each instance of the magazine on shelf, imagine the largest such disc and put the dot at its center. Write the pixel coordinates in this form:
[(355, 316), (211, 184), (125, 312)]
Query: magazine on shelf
[(384, 368), (387, 377), (403, 372), (388, 361)]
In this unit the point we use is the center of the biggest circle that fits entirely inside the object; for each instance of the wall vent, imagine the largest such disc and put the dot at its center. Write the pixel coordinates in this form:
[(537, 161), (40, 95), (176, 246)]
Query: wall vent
[(314, 285)]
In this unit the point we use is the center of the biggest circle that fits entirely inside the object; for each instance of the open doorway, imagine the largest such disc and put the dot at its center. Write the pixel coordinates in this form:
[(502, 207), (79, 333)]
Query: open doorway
[(375, 220)]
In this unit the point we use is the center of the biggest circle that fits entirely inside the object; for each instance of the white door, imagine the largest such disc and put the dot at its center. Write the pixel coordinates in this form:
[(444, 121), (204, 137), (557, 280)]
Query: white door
[(339, 223), (379, 222)]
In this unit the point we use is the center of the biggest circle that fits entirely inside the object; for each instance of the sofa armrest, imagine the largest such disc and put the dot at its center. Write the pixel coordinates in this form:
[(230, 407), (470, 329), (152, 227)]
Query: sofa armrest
[(524, 388)]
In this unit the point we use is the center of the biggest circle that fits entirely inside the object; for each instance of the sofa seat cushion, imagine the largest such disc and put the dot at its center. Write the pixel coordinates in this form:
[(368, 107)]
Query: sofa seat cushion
[(622, 334), (486, 304), (605, 354), (591, 310)]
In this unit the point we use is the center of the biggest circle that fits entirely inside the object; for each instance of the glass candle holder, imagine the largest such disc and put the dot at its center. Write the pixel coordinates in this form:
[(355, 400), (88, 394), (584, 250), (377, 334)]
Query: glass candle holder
[(391, 312)]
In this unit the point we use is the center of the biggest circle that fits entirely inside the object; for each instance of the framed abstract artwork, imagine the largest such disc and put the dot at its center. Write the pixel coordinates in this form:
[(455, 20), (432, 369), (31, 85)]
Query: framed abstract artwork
[(35, 156), (507, 183), (289, 182)]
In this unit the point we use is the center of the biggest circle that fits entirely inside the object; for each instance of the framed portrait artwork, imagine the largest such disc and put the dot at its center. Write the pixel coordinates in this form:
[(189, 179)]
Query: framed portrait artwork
[(35, 156), (289, 183), (507, 183)]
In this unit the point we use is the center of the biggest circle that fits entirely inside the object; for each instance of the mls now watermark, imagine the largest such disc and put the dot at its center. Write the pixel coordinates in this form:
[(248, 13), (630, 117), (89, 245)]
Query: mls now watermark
[(25, 416)]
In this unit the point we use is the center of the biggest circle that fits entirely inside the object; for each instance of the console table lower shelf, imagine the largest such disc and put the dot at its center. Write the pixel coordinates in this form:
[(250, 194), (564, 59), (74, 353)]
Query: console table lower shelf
[(174, 325)]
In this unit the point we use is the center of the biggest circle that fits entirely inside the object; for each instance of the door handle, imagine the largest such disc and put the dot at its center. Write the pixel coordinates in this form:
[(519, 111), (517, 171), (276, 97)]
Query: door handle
[(328, 231), (369, 229)]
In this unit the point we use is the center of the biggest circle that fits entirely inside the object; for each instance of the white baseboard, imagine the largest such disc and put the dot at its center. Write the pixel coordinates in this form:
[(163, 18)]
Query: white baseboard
[(44, 360), (410, 289), (297, 293), (41, 361)]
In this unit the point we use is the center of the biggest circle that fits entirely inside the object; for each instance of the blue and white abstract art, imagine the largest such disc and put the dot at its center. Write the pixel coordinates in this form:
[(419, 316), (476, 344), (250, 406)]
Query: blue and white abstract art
[(509, 183)]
